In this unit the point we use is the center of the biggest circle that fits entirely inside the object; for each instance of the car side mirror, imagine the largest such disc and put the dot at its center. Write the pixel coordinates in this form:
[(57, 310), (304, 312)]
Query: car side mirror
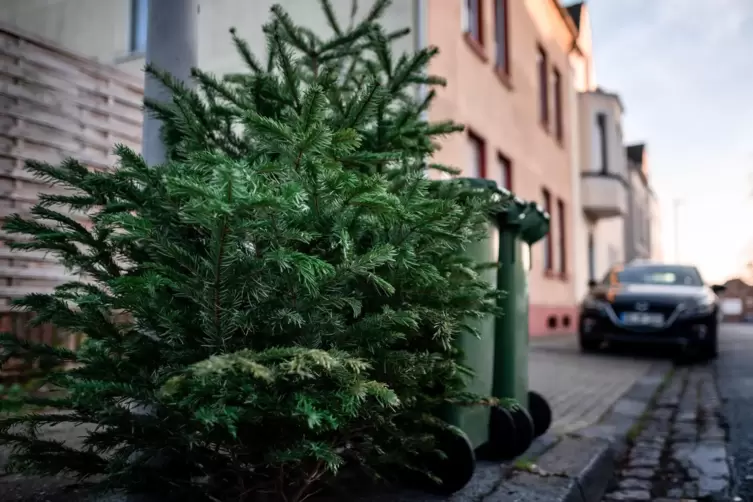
[(591, 283), (718, 288)]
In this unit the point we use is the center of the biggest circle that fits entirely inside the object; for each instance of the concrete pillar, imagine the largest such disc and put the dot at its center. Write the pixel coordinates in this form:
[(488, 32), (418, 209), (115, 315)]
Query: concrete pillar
[(172, 46)]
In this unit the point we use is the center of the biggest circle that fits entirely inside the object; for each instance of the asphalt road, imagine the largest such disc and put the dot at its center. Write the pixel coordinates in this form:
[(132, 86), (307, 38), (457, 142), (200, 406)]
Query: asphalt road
[(735, 373)]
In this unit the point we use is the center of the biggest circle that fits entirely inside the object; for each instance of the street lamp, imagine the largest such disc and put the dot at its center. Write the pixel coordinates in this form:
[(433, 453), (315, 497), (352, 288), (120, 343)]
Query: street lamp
[(676, 204)]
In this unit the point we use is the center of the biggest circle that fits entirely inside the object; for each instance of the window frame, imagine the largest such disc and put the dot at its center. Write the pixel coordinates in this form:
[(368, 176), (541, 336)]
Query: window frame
[(548, 244), (601, 126), (542, 70), (507, 177), (502, 30), (559, 124), (562, 237), (473, 10), (474, 138)]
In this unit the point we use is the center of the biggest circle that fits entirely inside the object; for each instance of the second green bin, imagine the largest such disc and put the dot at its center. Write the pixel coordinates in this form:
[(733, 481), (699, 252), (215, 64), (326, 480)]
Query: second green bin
[(499, 357)]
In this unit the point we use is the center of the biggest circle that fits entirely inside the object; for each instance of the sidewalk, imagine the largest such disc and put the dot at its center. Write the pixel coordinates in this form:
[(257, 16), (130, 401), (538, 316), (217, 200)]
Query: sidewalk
[(580, 388), (596, 400)]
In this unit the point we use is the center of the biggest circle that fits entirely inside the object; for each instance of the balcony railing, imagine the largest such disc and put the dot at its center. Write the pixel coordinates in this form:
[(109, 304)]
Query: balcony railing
[(603, 195)]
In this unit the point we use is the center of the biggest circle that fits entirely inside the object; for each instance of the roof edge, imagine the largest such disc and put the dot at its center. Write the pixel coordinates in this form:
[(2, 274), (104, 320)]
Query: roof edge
[(566, 18)]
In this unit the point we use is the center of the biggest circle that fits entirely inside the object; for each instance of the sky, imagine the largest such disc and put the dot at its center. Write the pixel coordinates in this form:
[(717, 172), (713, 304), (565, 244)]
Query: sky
[(684, 71)]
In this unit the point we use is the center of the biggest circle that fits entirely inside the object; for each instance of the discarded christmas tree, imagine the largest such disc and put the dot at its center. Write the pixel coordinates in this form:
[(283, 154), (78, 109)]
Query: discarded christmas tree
[(279, 299)]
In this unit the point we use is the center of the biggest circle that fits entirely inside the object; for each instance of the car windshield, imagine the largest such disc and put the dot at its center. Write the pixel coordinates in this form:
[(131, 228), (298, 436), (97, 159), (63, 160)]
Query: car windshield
[(666, 275)]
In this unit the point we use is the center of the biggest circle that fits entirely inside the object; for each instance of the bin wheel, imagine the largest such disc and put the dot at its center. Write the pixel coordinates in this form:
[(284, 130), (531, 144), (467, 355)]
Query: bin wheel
[(455, 469), (501, 445), (524, 430), (541, 413)]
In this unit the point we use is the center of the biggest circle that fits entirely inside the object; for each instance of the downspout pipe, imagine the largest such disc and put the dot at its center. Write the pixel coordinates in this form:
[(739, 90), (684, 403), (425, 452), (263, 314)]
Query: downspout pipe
[(422, 41), (172, 46)]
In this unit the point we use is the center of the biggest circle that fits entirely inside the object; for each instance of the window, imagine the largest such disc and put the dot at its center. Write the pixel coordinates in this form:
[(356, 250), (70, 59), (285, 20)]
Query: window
[(658, 274), (559, 126), (601, 128), (543, 76), (501, 37), (505, 172), (561, 223), (477, 158), (472, 20), (548, 265), (139, 10)]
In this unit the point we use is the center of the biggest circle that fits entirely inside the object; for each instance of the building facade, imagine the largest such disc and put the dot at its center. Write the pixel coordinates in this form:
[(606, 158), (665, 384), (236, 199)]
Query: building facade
[(737, 301), (604, 186), (638, 227), (617, 218), (656, 252), (601, 193), (510, 81)]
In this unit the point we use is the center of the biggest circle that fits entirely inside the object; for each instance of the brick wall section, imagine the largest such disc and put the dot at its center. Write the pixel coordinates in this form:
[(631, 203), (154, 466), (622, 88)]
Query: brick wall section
[(737, 288)]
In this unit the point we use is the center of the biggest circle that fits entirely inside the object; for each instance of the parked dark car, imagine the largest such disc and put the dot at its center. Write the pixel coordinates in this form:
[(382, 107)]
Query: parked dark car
[(651, 303)]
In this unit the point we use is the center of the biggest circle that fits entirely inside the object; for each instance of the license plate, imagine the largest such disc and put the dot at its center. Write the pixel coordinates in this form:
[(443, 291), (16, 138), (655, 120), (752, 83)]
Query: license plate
[(642, 318)]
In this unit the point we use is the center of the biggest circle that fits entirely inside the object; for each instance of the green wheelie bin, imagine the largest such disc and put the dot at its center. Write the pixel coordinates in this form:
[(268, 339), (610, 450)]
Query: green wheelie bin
[(471, 423), (499, 355), (520, 225)]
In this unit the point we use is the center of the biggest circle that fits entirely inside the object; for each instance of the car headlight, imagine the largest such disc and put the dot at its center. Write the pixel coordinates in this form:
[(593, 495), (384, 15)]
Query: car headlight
[(703, 308)]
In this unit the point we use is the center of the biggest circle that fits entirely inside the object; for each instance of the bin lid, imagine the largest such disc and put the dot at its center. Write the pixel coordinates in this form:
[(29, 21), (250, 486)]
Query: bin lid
[(529, 219)]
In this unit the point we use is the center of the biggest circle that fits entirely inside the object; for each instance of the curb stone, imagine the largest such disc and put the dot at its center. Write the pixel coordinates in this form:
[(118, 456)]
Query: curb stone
[(575, 468), (581, 466)]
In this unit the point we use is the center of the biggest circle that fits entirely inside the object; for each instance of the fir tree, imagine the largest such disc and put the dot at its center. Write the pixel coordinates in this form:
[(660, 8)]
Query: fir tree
[(281, 295)]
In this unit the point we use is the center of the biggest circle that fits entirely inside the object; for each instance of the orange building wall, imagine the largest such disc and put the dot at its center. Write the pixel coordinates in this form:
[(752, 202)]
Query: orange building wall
[(506, 115)]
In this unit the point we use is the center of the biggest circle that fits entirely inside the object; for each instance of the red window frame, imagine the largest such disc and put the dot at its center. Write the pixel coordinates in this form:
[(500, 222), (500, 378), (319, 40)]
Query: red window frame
[(562, 223), (480, 144), (548, 244), (505, 161), (474, 10), (559, 126), (543, 77), (502, 34)]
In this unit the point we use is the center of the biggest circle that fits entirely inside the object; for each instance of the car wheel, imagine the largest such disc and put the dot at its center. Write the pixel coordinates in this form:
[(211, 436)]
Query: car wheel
[(588, 344), (711, 343)]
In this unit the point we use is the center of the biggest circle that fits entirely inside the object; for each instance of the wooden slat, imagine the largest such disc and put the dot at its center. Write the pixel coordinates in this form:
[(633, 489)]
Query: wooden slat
[(45, 273), (13, 33), (14, 292), (46, 93), (32, 256), (6, 211), (29, 103), (53, 105)]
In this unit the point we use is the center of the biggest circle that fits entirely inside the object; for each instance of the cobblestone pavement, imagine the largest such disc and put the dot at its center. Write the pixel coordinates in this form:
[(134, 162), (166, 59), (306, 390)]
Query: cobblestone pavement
[(580, 387), (678, 452), (735, 369)]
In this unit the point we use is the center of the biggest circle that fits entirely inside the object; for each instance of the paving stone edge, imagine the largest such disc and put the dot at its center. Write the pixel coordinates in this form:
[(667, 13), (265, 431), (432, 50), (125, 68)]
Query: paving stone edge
[(577, 467), (580, 467)]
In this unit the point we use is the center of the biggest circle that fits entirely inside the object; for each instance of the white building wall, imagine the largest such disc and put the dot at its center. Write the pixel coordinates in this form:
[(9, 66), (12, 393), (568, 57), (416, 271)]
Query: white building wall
[(580, 225), (592, 104), (101, 29), (657, 244), (608, 234), (638, 220), (610, 249)]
